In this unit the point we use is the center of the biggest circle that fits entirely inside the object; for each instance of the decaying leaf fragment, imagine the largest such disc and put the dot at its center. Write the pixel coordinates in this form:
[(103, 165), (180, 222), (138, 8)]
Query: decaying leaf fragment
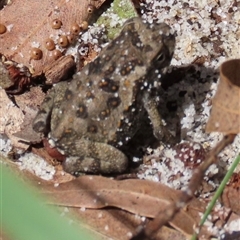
[(231, 194), (225, 115), (137, 196)]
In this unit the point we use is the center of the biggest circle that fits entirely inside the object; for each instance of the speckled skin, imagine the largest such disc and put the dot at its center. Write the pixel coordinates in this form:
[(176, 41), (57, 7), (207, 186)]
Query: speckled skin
[(100, 110)]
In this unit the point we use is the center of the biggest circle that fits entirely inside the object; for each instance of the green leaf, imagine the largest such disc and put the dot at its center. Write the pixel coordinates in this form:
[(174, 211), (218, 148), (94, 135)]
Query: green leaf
[(24, 216)]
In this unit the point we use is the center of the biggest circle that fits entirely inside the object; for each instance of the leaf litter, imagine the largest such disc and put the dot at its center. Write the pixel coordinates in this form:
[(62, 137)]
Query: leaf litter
[(140, 197), (190, 114), (31, 31)]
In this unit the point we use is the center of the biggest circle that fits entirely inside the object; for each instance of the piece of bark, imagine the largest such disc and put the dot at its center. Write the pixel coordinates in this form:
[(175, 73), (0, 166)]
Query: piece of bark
[(59, 70)]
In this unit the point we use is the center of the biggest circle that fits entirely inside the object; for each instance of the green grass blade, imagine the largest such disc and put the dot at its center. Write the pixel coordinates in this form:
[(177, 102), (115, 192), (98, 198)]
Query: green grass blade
[(24, 216), (219, 192)]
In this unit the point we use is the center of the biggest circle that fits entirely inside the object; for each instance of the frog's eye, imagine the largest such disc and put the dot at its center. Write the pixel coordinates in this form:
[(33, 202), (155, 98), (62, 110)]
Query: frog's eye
[(161, 57)]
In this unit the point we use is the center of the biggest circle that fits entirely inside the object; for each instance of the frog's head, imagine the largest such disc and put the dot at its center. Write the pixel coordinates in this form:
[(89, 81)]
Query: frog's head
[(156, 41)]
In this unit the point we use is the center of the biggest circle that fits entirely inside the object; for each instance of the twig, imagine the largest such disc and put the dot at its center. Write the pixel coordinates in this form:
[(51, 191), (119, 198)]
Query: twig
[(149, 231)]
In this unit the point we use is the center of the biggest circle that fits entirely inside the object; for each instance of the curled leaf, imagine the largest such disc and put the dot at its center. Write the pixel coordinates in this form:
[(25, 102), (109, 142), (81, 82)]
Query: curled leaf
[(225, 113)]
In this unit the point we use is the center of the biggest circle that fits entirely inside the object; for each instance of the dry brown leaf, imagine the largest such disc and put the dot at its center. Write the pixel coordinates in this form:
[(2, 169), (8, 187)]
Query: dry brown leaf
[(26, 104), (225, 115), (11, 118), (141, 197), (31, 26), (5, 80), (231, 199), (231, 194), (16, 119), (106, 224), (117, 224)]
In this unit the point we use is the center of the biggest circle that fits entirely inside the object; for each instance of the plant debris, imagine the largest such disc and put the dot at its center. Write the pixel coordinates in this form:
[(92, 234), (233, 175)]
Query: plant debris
[(207, 35)]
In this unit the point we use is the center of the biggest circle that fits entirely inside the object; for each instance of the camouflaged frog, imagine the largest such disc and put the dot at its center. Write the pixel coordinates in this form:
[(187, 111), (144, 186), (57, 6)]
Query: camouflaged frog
[(91, 117)]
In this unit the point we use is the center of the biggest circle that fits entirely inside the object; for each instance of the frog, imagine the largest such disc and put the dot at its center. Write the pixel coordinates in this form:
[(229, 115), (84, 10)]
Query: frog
[(92, 117)]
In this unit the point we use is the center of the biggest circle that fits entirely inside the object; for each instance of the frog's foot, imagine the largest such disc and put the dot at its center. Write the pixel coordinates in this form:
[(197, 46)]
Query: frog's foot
[(98, 158), (160, 130), (163, 134)]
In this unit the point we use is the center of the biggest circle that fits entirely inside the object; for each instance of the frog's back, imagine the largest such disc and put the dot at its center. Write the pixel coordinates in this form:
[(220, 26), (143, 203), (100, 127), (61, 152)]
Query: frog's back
[(103, 102)]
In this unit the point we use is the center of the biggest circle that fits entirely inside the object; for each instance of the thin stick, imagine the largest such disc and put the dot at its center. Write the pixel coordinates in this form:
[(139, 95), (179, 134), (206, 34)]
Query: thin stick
[(162, 218)]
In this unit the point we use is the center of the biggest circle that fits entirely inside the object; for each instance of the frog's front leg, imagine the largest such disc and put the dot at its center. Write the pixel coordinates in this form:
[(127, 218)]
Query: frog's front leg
[(41, 122), (95, 157), (160, 131)]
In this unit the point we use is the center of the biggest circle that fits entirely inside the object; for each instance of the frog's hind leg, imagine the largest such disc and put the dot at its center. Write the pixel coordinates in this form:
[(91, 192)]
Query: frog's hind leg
[(96, 157)]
